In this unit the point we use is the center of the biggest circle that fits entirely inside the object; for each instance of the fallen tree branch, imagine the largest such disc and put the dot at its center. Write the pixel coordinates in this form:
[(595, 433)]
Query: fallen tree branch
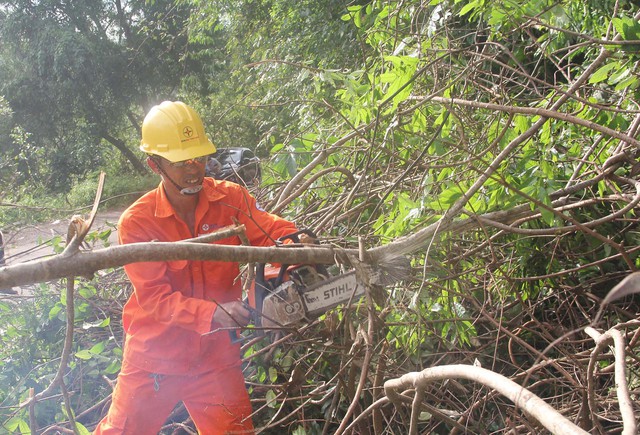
[(531, 404), (368, 338), (538, 111), (86, 263), (622, 389), (286, 201)]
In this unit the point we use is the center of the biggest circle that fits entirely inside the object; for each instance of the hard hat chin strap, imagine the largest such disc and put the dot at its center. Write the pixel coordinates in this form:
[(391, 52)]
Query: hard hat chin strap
[(190, 190), (183, 190)]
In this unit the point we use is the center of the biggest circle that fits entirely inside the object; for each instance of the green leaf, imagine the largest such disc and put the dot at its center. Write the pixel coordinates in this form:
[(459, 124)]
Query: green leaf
[(384, 13), (97, 348), (276, 148), (468, 8), (262, 375), (271, 399), (547, 216), (603, 73), (299, 431), (450, 196), (87, 292), (104, 235), (630, 82), (619, 75), (521, 123), (97, 323), (112, 368), (628, 28), (357, 19), (80, 429), (273, 374), (53, 312), (84, 354), (16, 423)]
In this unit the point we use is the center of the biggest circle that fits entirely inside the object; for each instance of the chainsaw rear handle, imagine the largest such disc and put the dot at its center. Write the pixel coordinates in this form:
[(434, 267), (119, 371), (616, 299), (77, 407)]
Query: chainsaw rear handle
[(262, 284), (254, 318)]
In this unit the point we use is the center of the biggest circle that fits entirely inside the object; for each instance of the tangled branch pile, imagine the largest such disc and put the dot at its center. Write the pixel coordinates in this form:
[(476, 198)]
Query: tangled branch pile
[(512, 182)]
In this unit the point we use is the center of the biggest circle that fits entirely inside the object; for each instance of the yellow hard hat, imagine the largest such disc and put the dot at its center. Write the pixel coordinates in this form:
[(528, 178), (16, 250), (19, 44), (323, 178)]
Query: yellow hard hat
[(174, 131)]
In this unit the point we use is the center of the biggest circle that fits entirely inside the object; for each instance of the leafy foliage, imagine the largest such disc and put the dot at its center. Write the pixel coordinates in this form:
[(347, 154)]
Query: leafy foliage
[(32, 336)]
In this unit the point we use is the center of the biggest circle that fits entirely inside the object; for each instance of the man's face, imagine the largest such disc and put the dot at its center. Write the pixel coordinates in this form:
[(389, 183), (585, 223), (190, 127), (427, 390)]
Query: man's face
[(187, 173)]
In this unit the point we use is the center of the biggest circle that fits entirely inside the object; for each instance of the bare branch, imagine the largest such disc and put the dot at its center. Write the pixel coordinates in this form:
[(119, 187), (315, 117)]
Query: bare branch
[(622, 388), (524, 399)]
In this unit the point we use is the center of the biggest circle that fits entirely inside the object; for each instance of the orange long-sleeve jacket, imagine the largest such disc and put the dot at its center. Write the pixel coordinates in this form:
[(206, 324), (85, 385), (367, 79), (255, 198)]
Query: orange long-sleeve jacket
[(173, 302)]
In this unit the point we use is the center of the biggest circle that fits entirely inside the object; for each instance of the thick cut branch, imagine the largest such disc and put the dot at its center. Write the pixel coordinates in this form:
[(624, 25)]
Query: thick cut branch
[(87, 263)]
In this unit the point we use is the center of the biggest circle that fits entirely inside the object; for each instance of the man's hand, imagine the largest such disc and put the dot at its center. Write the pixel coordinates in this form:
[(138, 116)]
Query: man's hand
[(307, 239), (230, 315)]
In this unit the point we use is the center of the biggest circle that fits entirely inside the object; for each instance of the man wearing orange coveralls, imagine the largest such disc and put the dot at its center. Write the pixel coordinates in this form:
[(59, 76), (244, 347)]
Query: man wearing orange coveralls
[(168, 354)]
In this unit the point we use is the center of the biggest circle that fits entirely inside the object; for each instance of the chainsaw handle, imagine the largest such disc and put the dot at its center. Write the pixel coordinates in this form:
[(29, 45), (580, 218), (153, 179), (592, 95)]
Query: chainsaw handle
[(260, 286), (295, 238), (234, 337), (254, 317)]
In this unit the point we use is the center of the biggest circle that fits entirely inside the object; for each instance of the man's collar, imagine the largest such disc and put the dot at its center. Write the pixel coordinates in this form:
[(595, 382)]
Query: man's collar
[(209, 193)]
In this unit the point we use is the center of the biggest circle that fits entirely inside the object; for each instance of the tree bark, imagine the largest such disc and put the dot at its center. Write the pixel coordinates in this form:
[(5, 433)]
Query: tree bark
[(126, 152)]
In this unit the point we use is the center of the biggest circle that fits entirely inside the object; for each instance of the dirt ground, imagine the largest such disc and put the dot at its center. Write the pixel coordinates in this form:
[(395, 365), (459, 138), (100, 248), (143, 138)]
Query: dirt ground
[(34, 241)]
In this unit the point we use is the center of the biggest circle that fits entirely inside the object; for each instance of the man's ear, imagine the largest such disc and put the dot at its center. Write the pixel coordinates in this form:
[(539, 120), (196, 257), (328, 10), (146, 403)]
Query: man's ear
[(153, 165)]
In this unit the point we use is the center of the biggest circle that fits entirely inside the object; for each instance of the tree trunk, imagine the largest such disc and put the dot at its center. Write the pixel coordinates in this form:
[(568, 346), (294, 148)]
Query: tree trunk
[(129, 155)]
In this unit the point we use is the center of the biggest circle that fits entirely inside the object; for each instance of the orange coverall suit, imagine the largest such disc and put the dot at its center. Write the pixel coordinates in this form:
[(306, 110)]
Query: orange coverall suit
[(166, 357)]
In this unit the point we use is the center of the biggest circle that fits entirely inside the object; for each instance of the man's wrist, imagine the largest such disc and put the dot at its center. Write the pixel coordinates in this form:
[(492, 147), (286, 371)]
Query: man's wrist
[(214, 323)]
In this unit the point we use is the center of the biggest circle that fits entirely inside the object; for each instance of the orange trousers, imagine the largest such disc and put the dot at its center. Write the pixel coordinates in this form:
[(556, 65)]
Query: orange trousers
[(217, 401)]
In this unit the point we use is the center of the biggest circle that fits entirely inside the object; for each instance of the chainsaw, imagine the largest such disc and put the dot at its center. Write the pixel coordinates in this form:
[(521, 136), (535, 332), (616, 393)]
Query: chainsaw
[(289, 295)]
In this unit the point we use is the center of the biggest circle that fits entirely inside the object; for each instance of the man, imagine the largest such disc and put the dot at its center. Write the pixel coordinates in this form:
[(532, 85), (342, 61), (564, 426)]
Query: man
[(170, 354)]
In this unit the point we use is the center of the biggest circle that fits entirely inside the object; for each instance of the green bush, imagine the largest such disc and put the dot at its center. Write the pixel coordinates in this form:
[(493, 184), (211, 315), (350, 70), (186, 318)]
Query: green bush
[(119, 190), (34, 206), (31, 342)]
